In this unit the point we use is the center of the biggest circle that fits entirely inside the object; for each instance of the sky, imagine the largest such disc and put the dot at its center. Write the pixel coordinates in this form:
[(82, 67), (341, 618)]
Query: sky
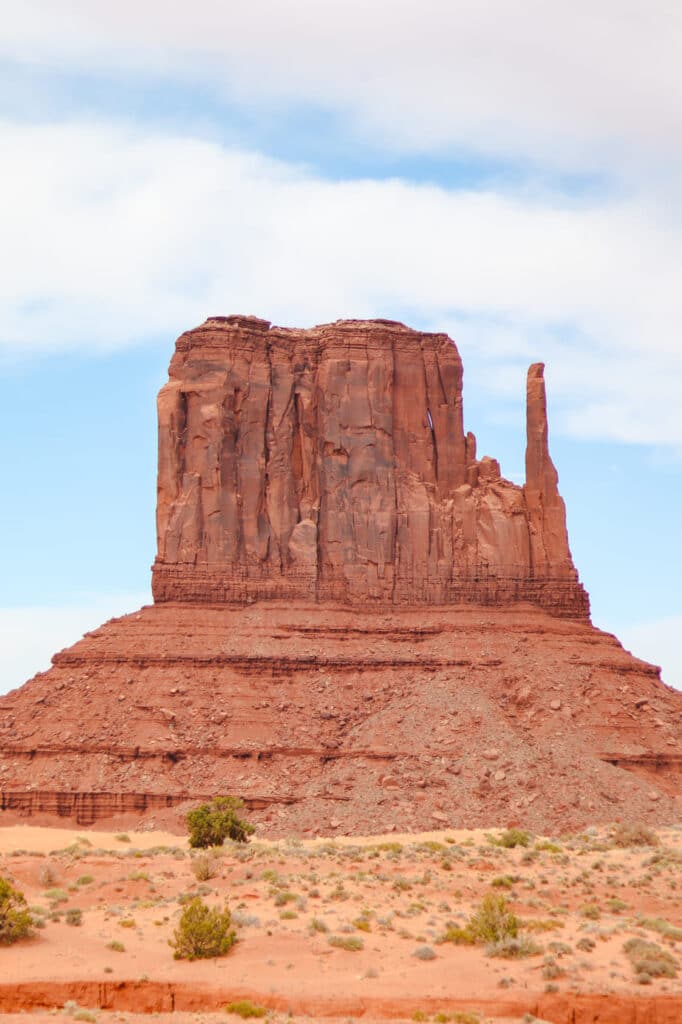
[(509, 172)]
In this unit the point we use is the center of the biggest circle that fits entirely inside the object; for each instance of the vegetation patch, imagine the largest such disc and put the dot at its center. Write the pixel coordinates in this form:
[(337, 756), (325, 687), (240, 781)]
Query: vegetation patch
[(15, 919), (203, 932), (212, 823), (649, 960), (245, 1008)]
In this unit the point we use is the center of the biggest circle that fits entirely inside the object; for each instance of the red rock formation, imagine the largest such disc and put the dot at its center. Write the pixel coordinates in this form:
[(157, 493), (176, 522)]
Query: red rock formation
[(332, 465), (328, 539)]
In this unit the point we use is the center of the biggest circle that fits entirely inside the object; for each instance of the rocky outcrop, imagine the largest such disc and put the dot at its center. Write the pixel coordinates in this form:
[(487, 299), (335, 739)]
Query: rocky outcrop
[(358, 622), (332, 465), (326, 719)]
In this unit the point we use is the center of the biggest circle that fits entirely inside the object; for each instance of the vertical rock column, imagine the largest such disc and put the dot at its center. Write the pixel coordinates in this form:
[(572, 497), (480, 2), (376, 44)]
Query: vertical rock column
[(549, 550)]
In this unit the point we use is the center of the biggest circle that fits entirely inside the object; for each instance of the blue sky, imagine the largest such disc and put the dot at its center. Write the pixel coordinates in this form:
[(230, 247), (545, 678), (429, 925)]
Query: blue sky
[(509, 173)]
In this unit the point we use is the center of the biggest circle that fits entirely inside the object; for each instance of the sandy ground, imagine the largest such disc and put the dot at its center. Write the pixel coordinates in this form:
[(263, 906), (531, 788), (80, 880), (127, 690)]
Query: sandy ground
[(580, 898)]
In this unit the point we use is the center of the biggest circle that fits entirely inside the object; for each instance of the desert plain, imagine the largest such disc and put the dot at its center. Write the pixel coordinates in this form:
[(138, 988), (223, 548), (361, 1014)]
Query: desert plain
[(343, 928)]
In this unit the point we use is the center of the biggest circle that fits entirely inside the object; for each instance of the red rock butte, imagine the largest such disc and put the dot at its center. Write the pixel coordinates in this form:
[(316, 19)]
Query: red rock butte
[(357, 623), (332, 465)]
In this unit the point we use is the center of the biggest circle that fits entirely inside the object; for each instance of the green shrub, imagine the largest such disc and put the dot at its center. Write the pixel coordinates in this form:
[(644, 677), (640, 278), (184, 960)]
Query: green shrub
[(116, 947), (245, 1008), (492, 922), (512, 837), (15, 919), (203, 932), (211, 824), (74, 917)]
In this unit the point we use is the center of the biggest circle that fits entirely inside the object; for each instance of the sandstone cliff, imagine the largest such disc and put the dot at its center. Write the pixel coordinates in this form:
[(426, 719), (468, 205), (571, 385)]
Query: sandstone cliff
[(358, 624), (332, 464)]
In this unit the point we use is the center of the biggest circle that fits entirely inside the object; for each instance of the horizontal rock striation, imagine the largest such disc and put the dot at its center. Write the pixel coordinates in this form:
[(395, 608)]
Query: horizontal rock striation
[(325, 720), (332, 465)]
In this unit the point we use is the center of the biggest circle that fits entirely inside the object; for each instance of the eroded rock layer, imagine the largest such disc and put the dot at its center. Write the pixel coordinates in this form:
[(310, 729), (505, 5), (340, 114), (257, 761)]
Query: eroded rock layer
[(327, 721), (332, 465)]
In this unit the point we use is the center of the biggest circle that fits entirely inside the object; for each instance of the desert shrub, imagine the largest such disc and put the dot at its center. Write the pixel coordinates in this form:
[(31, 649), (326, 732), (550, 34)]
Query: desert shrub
[(245, 1008), (633, 835), (585, 945), (424, 953), (513, 947), (352, 943), (203, 932), (552, 970), (56, 896), (647, 958), (547, 846), (15, 918), (116, 947), (122, 837), (504, 881), (664, 928), (492, 922), (85, 880), (204, 867), (512, 837), (74, 917), (212, 823), (317, 925)]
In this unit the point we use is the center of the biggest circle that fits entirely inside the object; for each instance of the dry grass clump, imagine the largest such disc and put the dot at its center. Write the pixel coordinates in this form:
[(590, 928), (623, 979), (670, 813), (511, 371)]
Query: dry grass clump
[(516, 948), (351, 943), (205, 866), (664, 928), (649, 960), (625, 836), (511, 838)]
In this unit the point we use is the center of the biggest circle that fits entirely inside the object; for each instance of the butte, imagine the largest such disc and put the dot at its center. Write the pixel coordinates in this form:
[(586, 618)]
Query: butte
[(358, 624)]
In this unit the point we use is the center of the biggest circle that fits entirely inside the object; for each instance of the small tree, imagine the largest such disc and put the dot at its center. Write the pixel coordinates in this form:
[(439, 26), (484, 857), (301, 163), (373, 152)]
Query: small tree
[(15, 920), (203, 932), (211, 824)]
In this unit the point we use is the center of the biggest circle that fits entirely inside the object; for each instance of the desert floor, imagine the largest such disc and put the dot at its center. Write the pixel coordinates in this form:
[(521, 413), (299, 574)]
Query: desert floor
[(295, 904)]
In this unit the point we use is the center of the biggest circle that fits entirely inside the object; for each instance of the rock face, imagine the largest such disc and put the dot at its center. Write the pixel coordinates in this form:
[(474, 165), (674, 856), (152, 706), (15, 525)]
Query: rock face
[(358, 624), (332, 465)]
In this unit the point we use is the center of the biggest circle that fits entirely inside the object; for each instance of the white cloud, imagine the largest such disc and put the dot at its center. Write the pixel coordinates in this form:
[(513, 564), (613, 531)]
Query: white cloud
[(579, 85), (29, 636), (117, 235), (659, 643)]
